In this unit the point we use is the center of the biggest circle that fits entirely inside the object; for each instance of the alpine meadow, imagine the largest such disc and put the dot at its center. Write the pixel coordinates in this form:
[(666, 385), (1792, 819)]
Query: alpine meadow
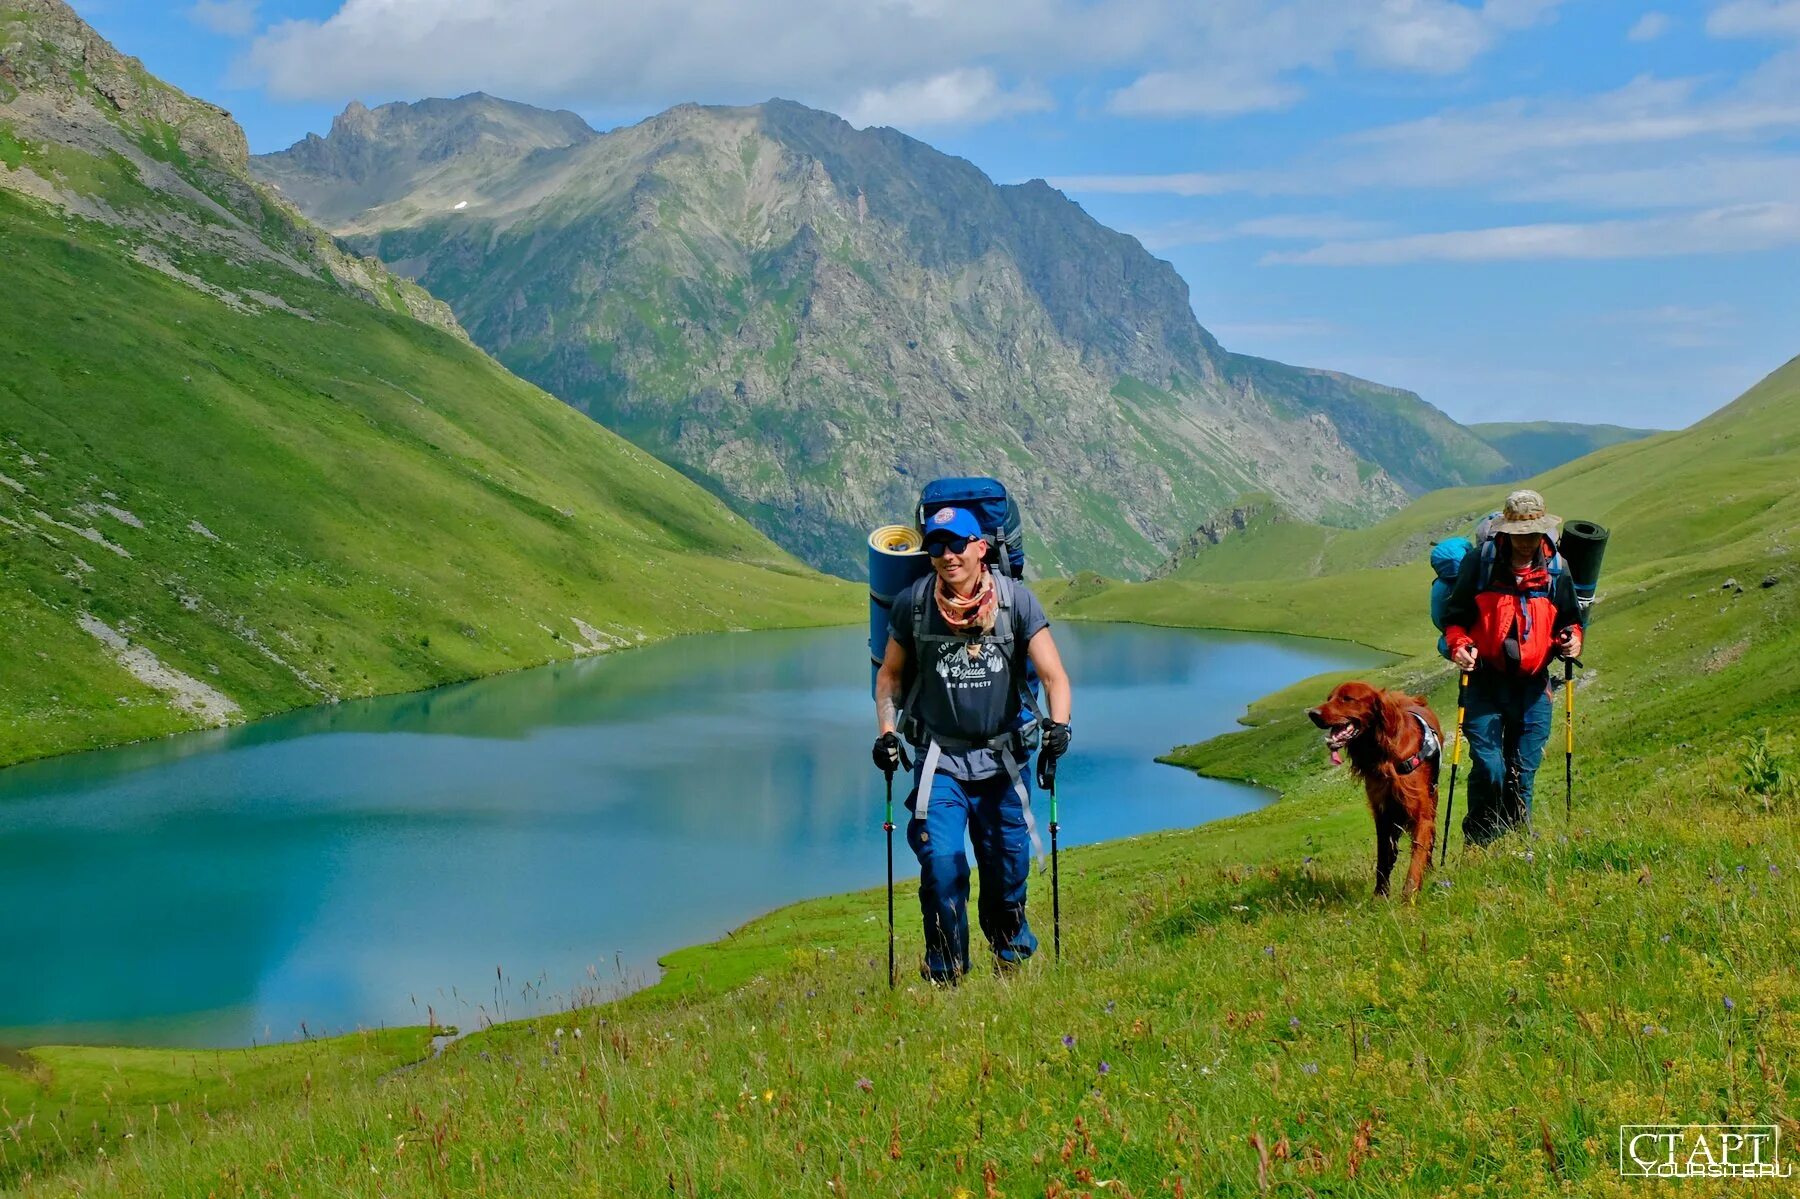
[(469, 387)]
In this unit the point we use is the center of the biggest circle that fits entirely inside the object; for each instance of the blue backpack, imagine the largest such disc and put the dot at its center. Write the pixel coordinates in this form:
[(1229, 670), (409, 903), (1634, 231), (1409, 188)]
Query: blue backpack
[(1446, 562), (987, 501)]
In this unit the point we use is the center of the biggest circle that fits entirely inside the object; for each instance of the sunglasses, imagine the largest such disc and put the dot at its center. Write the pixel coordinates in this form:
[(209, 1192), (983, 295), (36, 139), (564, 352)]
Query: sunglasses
[(955, 545)]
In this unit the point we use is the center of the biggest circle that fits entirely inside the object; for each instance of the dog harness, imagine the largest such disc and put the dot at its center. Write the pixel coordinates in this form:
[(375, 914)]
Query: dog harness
[(1430, 748)]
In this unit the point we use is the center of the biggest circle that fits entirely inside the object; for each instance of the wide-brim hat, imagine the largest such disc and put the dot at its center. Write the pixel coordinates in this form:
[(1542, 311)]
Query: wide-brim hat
[(1524, 513)]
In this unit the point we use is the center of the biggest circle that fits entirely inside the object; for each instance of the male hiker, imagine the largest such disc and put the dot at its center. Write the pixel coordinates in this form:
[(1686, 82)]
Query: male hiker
[(1513, 608), (969, 632)]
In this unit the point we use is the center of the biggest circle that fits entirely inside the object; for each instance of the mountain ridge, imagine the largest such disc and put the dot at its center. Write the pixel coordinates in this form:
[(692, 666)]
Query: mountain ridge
[(809, 319)]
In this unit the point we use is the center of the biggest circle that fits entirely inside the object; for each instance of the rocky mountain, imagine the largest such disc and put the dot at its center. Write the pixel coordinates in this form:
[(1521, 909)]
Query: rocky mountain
[(87, 129), (243, 471), (811, 320)]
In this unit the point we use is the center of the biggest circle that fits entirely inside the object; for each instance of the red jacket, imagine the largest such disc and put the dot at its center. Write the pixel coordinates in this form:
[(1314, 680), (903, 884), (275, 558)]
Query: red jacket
[(1485, 613)]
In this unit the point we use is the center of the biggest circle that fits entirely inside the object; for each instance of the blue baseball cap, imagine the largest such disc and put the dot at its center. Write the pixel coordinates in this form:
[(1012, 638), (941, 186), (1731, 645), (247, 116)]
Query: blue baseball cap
[(953, 522)]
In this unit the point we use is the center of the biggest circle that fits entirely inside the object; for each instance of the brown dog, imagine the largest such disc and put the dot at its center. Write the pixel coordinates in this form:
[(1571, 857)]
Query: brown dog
[(1398, 764)]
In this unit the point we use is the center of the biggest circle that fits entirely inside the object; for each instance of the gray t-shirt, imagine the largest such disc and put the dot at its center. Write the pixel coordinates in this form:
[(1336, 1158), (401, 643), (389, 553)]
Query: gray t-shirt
[(966, 696)]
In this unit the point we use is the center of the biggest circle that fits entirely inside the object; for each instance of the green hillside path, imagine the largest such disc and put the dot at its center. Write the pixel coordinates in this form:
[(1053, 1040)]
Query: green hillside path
[(1233, 1014)]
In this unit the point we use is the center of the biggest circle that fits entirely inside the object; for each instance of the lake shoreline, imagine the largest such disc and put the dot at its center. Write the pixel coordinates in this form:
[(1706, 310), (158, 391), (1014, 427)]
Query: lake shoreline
[(1237, 668)]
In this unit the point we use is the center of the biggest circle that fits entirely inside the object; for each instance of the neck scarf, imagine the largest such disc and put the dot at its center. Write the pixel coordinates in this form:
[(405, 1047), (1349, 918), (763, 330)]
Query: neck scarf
[(970, 615), (1532, 578)]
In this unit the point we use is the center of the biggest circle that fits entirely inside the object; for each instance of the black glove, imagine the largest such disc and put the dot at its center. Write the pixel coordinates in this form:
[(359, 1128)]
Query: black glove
[(1053, 744), (887, 753)]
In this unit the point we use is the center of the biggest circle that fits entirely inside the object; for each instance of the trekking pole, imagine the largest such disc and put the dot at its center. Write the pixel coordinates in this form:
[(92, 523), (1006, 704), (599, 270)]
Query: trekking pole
[(1462, 690), (888, 827), (1055, 887), (1569, 665)]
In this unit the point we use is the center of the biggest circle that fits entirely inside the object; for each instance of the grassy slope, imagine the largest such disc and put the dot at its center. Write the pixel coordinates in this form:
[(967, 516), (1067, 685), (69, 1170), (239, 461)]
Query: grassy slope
[(392, 510), (1231, 1011), (1537, 446), (64, 1100)]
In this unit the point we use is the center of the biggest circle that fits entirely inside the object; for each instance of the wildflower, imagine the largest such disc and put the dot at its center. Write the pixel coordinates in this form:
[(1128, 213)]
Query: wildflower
[(768, 1096), (1068, 1040), (1310, 1068), (1649, 1030), (558, 1034), (1269, 950), (1294, 1022), (865, 1084), (1307, 861), (1730, 1006), (1110, 1005), (1665, 938), (1443, 884), (1530, 856), (1740, 868), (1104, 1068), (578, 1034)]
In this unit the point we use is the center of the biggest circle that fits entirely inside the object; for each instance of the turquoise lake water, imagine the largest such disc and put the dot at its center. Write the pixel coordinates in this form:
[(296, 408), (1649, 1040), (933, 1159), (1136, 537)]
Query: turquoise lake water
[(517, 844)]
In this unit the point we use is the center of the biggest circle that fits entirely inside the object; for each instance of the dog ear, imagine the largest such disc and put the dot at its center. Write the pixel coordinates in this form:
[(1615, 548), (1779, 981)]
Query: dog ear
[(1390, 722)]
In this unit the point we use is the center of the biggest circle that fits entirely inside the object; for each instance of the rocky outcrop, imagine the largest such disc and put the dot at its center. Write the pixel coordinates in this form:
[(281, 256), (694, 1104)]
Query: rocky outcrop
[(812, 320), (102, 138), (1236, 519)]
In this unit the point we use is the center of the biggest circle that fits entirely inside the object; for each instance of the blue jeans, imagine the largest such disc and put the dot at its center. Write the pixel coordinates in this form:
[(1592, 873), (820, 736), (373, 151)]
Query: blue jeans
[(1507, 721), (990, 811)]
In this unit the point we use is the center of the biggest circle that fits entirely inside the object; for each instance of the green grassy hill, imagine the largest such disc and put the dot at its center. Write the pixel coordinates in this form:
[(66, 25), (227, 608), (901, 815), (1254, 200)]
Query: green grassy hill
[(242, 471), (1687, 498), (1233, 1015), (288, 510), (1536, 446)]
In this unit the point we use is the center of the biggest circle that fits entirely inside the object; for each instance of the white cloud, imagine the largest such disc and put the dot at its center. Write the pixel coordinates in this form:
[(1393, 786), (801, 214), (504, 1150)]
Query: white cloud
[(1427, 36), (1192, 183), (1308, 227), (932, 58), (1686, 182), (1648, 27), (1755, 18), (233, 18), (1201, 93), (1653, 143), (968, 96), (1529, 136), (1170, 234), (1739, 229), (1236, 56), (1285, 227)]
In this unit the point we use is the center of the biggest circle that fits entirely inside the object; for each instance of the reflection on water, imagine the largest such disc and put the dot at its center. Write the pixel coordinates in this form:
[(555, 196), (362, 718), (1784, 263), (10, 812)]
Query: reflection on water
[(503, 846)]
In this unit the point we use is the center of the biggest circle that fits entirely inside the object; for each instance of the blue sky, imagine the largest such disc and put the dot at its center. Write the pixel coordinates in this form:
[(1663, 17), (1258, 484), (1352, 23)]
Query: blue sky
[(1521, 209)]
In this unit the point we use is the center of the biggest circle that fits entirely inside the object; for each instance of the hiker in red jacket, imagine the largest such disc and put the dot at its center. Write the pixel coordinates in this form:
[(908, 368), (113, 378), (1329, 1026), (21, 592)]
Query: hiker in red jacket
[(1511, 612)]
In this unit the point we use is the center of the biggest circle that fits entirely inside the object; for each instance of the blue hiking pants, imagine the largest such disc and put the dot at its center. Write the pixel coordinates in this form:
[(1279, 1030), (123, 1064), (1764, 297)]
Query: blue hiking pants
[(1507, 721), (990, 812)]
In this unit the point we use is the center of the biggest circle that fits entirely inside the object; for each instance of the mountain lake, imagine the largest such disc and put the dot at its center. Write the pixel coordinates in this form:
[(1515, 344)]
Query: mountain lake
[(517, 844)]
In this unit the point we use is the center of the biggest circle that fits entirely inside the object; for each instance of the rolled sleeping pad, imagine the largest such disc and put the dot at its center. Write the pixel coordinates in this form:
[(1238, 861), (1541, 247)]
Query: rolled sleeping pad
[(896, 559), (1583, 546)]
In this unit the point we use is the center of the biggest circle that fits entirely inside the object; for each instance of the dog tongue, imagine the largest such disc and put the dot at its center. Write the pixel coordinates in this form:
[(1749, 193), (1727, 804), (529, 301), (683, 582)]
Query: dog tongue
[(1337, 759)]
